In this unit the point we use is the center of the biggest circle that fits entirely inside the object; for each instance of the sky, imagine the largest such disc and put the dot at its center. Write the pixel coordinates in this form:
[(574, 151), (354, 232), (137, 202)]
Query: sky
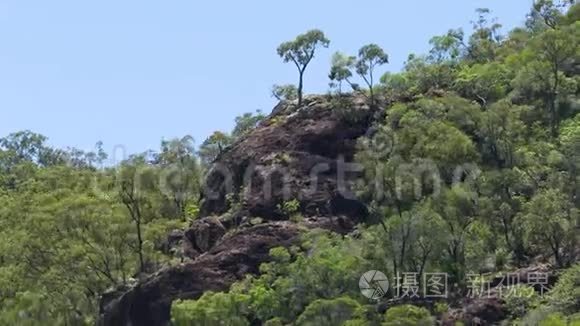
[(132, 72)]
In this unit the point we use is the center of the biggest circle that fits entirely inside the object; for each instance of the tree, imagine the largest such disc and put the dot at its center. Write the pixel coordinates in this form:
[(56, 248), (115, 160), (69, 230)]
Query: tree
[(466, 233), (71, 245), (556, 47), (369, 57), (414, 239), (179, 175), (484, 83), (425, 77), (213, 146), (447, 47), (340, 70), (136, 184), (396, 85), (546, 75), (285, 92), (301, 51), (549, 221), (547, 13), (484, 41), (247, 122), (24, 145)]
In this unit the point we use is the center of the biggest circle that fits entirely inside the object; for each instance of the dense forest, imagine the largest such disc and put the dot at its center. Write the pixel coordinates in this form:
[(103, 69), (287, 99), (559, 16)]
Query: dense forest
[(484, 126)]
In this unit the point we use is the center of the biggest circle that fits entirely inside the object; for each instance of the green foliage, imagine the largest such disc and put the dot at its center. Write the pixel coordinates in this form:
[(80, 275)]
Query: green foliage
[(340, 70), (476, 161), (218, 141), (213, 146), (211, 309), (520, 300), (290, 208), (291, 283), (301, 51), (446, 47), (440, 308), (408, 315), (483, 82), (70, 231), (28, 309), (192, 211), (549, 219), (369, 57), (247, 122), (565, 296), (554, 320), (285, 92), (464, 154), (395, 86), (328, 312)]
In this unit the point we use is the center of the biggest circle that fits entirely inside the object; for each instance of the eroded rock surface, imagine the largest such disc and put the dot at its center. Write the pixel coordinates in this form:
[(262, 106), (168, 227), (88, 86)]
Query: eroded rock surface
[(302, 151), (149, 302), (297, 153)]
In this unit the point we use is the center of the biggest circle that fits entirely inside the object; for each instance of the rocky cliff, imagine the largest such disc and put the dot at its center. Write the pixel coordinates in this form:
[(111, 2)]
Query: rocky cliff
[(296, 155)]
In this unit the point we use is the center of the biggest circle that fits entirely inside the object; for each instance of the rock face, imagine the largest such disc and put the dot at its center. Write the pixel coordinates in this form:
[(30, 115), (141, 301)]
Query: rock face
[(149, 302), (297, 154)]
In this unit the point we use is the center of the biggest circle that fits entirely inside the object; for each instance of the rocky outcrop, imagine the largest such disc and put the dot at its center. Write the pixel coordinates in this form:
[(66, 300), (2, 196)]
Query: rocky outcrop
[(296, 154), (241, 253), (202, 235)]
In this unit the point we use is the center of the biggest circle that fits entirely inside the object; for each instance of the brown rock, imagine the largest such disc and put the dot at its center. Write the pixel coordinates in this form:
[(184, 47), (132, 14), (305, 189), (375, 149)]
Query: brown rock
[(283, 152), (204, 233), (149, 302), (272, 164)]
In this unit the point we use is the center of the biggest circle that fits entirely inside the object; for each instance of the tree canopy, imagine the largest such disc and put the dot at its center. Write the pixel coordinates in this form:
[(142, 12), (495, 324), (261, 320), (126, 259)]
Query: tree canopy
[(470, 166)]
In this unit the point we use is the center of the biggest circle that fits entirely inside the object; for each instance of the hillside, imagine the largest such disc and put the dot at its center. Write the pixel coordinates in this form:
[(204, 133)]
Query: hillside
[(456, 179)]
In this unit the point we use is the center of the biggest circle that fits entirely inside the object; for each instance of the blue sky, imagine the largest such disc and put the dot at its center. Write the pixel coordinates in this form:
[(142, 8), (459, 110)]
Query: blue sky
[(131, 72)]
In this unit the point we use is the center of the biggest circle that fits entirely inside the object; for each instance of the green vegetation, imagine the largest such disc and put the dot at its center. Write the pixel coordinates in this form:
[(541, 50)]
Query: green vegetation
[(369, 57), (408, 315), (301, 51), (72, 228), (476, 163), (473, 169), (215, 144), (290, 209)]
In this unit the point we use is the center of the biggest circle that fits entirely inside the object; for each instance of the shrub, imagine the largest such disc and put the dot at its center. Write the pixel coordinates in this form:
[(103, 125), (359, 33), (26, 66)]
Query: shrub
[(328, 312), (408, 315), (441, 308), (522, 299), (211, 309), (565, 296), (291, 209)]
